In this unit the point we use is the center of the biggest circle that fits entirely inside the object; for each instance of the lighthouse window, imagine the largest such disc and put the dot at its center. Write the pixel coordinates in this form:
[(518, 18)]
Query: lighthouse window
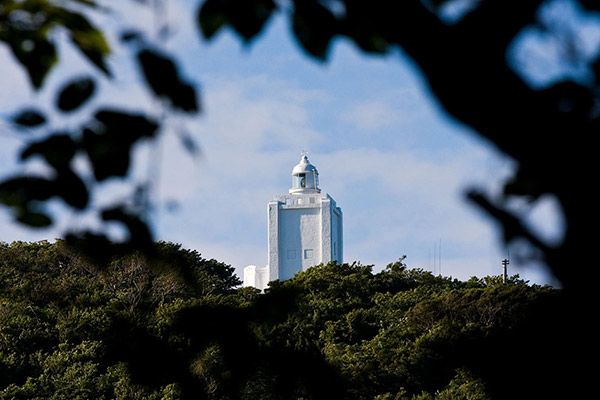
[(299, 180)]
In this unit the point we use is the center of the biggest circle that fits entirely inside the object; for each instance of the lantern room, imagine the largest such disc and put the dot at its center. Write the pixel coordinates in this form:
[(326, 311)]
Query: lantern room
[(305, 177)]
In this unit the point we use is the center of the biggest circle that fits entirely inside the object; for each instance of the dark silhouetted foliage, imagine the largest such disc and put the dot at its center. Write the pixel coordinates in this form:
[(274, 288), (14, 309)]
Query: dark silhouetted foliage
[(178, 326)]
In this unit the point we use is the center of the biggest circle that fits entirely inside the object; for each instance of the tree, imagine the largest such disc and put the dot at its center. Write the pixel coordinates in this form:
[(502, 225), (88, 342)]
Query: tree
[(73, 329)]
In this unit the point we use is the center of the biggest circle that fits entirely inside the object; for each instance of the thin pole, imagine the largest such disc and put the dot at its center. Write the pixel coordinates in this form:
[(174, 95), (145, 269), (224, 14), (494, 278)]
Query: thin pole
[(440, 263), (429, 259), (505, 263), (434, 256)]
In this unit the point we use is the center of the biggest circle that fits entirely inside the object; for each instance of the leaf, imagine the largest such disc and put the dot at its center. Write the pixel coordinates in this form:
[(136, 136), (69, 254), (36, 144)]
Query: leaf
[(570, 98), (109, 139), (592, 5), (75, 93), (130, 127), (184, 97), (94, 47), (369, 26), (20, 190), (314, 27), (29, 118), (139, 233), (28, 27), (438, 3), (35, 53), (211, 18), (163, 78), (97, 247), (34, 219), (247, 17), (89, 40), (525, 183), (58, 150), (109, 157), (189, 143), (131, 35), (71, 189), (89, 3)]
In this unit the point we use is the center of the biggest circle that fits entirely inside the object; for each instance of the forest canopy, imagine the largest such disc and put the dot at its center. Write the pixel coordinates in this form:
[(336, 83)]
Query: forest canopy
[(180, 326)]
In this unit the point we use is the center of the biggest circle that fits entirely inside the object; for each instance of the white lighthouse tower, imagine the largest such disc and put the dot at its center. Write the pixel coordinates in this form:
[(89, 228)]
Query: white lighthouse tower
[(305, 229)]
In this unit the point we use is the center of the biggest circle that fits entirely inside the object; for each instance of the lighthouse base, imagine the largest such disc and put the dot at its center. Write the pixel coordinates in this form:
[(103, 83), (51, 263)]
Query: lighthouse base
[(257, 277)]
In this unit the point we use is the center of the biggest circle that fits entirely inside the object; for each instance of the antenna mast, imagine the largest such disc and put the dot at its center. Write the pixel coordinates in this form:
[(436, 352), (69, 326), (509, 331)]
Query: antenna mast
[(505, 263), (435, 257), (440, 263)]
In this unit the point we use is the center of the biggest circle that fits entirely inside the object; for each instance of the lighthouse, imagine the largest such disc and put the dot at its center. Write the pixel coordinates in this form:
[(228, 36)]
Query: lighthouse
[(304, 229)]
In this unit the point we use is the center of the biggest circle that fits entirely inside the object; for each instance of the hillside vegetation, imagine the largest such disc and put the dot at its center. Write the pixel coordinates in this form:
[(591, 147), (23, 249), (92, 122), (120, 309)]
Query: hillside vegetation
[(180, 327)]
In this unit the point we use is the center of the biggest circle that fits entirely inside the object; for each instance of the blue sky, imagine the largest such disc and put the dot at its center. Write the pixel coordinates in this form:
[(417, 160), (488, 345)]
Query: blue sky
[(390, 157)]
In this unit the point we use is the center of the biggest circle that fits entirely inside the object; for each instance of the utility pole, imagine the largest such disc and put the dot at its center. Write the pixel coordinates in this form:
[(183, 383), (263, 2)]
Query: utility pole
[(505, 263)]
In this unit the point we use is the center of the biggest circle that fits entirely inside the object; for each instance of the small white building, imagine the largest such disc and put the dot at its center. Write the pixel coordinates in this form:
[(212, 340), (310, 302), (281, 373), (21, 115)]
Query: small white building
[(305, 229)]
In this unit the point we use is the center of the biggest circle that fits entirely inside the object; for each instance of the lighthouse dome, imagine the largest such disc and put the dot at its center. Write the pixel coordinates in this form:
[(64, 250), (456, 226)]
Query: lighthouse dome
[(304, 166), (305, 177)]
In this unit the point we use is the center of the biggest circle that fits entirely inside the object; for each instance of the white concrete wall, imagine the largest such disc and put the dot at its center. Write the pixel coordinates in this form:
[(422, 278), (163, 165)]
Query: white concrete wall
[(257, 277), (273, 239), (303, 230), (299, 240), (336, 235), (340, 235)]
